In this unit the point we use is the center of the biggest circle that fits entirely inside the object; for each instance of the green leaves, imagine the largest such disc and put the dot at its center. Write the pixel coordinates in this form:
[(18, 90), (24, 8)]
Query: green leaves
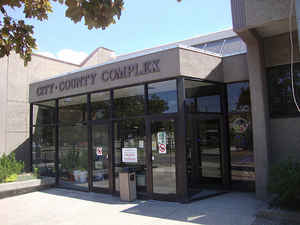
[(17, 36), (284, 182), (96, 13), (9, 166)]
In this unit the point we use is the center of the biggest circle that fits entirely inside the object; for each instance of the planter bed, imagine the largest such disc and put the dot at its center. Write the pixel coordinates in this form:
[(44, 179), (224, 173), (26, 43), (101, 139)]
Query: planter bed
[(25, 184), (283, 216)]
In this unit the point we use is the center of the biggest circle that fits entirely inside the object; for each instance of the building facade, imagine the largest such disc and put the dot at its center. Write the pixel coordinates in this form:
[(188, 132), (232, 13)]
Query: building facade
[(193, 118), (269, 29), (179, 115)]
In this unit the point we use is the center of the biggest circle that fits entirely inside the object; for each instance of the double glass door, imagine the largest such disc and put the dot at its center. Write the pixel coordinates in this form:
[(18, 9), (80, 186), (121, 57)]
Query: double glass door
[(152, 158)]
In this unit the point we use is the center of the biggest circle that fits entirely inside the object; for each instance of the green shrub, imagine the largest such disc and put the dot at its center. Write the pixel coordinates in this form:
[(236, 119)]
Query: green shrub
[(9, 166), (11, 178), (36, 172), (285, 184)]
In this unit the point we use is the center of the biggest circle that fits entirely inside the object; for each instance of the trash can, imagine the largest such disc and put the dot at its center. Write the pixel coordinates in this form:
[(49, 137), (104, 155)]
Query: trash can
[(127, 184)]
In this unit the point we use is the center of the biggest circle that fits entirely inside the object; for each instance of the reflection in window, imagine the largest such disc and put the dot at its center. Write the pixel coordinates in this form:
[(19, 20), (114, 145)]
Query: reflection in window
[(73, 156), (130, 134), (280, 90), (100, 104), (162, 97), (241, 147), (129, 101), (202, 97), (43, 150), (43, 113), (73, 109), (238, 97)]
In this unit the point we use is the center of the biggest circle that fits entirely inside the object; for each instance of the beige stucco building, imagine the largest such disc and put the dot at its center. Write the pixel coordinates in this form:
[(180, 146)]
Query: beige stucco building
[(193, 118)]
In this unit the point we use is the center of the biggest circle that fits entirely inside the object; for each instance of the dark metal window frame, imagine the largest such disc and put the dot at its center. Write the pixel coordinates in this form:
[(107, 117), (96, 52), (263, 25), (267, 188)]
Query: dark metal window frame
[(180, 130)]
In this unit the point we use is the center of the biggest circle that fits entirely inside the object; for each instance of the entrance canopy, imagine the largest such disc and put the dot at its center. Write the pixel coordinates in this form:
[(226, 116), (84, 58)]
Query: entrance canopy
[(159, 65)]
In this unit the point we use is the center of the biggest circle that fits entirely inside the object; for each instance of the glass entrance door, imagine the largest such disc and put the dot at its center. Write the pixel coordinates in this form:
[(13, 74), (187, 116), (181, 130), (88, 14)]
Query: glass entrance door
[(163, 156), (204, 152), (100, 163)]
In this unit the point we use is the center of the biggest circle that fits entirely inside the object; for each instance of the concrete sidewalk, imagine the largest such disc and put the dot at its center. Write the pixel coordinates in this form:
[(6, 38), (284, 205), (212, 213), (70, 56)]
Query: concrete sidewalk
[(66, 207)]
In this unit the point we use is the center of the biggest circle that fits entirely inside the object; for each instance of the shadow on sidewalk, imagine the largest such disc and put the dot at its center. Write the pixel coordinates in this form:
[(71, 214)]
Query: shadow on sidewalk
[(228, 209)]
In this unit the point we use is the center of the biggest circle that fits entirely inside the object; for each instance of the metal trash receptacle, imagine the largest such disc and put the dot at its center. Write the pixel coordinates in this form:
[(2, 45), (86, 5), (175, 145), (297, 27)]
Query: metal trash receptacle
[(127, 184)]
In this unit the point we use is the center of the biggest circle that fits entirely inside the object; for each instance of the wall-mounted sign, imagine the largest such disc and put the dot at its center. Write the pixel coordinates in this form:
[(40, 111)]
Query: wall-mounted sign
[(92, 78), (131, 70), (129, 155)]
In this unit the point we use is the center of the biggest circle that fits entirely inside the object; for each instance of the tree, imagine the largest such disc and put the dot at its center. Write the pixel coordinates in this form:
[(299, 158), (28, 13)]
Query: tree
[(17, 35)]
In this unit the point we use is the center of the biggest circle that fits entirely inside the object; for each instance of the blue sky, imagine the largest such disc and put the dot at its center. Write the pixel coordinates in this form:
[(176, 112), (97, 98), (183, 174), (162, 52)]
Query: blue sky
[(143, 24)]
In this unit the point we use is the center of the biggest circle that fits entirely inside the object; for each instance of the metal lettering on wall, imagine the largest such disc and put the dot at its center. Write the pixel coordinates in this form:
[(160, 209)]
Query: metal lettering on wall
[(124, 72)]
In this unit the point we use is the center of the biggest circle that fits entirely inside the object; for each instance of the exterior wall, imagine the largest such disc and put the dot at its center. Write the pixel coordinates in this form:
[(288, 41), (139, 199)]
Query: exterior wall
[(277, 50), (168, 68), (3, 102), (254, 13), (100, 55), (285, 144), (260, 110), (195, 64), (235, 68), (14, 113)]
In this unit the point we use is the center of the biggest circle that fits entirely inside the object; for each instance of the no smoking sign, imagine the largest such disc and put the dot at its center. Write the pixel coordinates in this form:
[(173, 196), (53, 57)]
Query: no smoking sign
[(99, 151), (162, 149)]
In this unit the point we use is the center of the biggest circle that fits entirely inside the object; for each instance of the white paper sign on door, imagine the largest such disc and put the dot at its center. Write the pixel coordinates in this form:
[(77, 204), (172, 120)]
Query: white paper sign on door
[(129, 155)]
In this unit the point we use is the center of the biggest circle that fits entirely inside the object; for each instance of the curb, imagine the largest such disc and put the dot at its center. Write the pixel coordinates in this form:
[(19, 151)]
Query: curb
[(22, 187)]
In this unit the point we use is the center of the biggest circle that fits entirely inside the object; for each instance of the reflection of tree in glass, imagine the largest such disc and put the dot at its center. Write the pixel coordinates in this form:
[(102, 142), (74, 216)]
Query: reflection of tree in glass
[(100, 110), (45, 115), (73, 113), (157, 105), (281, 88), (129, 106), (243, 103)]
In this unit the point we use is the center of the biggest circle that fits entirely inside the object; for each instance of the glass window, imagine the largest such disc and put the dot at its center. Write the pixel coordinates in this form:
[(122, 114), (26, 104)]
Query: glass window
[(100, 104), (129, 101), (280, 90), (130, 139), (240, 131), (163, 157), (202, 97), (238, 97), (43, 150), (73, 109), (73, 156), (44, 113), (162, 97)]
